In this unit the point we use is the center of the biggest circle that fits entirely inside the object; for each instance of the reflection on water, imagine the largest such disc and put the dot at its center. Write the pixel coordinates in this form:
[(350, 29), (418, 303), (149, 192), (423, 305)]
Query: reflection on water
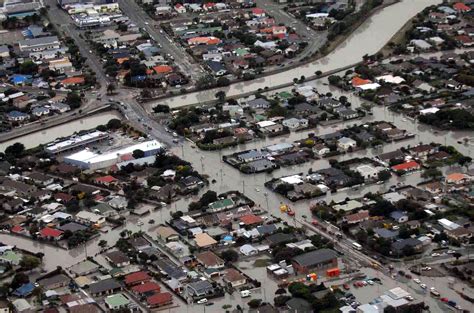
[(50, 134)]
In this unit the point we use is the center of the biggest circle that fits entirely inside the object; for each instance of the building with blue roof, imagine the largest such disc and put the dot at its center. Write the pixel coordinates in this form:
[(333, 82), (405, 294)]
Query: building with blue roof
[(24, 291), (18, 79), (16, 116)]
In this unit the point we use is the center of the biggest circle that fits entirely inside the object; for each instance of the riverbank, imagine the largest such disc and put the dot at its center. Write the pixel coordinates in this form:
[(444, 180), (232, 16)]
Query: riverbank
[(328, 48), (29, 129)]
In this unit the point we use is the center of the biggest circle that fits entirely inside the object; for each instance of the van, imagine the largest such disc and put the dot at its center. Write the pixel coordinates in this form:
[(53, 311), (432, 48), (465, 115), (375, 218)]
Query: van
[(245, 293)]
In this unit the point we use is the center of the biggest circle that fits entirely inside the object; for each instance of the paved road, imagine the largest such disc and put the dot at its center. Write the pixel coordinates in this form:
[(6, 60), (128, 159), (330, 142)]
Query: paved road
[(315, 39), (64, 23), (140, 17)]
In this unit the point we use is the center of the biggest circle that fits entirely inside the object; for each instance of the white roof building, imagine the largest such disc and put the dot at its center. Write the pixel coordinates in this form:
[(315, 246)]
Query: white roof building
[(390, 79), (447, 224), (88, 159)]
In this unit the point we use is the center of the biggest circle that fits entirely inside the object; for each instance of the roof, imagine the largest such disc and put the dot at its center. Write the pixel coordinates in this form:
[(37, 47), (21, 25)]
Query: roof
[(209, 258), (51, 232), (455, 177), (76, 80), (315, 257), (204, 240), (159, 298), (165, 232), (104, 285), (357, 81), (106, 179), (116, 300), (84, 267), (251, 219), (146, 287), (160, 69), (117, 257), (232, 275), (60, 278), (136, 277), (405, 166), (38, 41)]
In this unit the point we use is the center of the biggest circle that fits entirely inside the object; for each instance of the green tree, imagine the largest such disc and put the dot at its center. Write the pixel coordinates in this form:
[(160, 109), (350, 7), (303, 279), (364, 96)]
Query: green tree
[(384, 175), (431, 173), (102, 244), (73, 100), (28, 68), (114, 124), (254, 303), (29, 262), (15, 150), (230, 255)]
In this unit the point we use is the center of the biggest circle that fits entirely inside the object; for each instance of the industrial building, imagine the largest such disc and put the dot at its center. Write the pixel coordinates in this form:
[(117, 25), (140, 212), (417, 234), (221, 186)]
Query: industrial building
[(92, 160), (75, 142)]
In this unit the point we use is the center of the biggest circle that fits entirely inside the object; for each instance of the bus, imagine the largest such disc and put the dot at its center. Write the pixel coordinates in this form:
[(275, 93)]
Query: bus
[(356, 246)]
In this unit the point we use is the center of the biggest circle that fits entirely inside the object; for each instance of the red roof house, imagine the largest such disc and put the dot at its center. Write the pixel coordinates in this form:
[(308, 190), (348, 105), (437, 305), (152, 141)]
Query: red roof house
[(148, 287), (407, 166), (16, 229), (51, 233), (357, 81), (461, 7), (159, 299), (137, 278), (251, 219), (258, 12), (63, 197), (105, 180)]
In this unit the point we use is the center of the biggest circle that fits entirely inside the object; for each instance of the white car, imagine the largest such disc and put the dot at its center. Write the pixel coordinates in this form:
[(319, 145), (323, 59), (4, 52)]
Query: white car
[(370, 282), (450, 252), (409, 298), (140, 223), (423, 286), (245, 293), (202, 301), (416, 280), (435, 254)]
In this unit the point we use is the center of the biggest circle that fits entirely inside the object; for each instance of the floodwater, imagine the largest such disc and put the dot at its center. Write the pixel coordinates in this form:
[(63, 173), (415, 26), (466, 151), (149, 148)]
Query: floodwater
[(47, 135), (369, 38)]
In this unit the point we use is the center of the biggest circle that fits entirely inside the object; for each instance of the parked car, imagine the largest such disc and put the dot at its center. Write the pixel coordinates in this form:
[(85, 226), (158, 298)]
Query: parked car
[(202, 301), (416, 280), (346, 286), (423, 286)]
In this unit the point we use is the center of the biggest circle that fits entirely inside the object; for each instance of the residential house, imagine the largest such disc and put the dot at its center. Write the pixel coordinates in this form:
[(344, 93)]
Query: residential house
[(117, 258), (234, 278), (315, 260), (346, 143), (399, 216), (209, 259), (104, 287)]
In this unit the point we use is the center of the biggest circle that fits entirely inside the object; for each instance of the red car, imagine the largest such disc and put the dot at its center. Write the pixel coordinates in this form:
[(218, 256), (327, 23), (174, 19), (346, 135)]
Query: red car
[(346, 286), (315, 222), (444, 300), (291, 213), (355, 284)]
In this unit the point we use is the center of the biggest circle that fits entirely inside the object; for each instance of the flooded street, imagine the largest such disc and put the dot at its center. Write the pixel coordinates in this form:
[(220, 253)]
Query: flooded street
[(34, 139), (374, 33)]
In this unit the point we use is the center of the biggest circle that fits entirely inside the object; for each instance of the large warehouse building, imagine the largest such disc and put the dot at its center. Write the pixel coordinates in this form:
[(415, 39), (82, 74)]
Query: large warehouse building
[(92, 160)]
